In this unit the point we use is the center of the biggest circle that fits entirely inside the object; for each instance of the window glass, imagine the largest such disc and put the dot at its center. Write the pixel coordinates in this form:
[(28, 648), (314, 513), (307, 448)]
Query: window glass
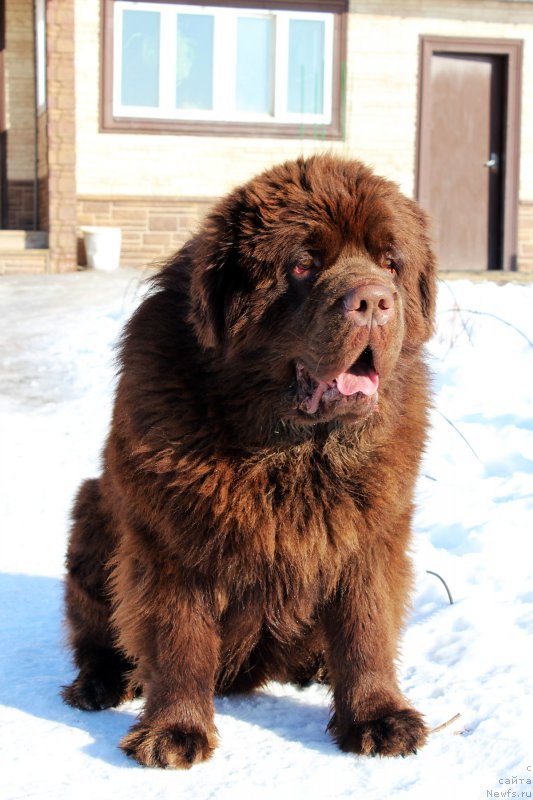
[(306, 67), (172, 65), (194, 61), (140, 58), (254, 64)]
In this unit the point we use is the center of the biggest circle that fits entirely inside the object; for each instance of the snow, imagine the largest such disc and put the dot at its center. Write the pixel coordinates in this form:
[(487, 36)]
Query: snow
[(473, 527)]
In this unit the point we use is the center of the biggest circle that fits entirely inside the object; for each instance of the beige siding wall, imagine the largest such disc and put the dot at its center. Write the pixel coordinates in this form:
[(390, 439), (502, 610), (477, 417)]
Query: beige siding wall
[(381, 113), (19, 85), (382, 81), (20, 115), (142, 164), (525, 237)]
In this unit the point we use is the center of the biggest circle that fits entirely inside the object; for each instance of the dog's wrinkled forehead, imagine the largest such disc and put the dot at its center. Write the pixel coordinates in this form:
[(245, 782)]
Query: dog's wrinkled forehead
[(299, 206)]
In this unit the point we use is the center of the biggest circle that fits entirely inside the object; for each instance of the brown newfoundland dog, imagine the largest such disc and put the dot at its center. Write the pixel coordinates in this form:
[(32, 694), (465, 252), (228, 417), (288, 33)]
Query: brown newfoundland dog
[(253, 514)]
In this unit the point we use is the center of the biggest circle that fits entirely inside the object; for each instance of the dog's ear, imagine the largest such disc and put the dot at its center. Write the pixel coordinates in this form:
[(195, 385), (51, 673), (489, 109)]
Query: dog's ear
[(428, 291), (422, 292), (207, 303), (427, 279), (216, 272)]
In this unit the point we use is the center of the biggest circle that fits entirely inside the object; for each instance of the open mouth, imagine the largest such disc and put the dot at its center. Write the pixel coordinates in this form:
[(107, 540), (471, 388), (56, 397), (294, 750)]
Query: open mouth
[(358, 383)]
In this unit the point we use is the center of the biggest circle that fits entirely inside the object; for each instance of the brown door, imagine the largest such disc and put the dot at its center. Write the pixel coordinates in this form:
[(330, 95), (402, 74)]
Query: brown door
[(463, 156)]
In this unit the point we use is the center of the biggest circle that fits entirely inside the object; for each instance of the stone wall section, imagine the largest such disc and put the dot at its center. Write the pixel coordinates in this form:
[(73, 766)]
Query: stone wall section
[(61, 134), (153, 228)]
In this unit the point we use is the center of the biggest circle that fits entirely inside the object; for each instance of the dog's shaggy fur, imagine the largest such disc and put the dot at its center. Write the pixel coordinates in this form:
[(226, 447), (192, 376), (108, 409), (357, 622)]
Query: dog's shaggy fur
[(253, 514)]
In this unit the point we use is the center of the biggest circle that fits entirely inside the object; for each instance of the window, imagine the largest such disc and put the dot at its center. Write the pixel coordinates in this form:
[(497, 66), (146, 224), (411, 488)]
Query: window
[(272, 69)]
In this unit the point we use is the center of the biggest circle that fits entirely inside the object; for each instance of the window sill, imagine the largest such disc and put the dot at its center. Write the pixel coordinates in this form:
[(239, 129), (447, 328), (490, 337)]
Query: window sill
[(228, 129)]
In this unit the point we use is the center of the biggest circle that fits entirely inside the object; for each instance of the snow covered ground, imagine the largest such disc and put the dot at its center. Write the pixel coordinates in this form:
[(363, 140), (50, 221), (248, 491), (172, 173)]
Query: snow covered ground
[(474, 527)]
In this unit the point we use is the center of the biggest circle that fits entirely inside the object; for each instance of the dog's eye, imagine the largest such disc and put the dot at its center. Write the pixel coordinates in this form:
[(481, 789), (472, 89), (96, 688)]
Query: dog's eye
[(390, 264), (306, 266), (301, 269)]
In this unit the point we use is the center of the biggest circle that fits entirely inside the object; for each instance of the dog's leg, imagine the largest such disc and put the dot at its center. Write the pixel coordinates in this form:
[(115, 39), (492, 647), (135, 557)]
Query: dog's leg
[(176, 644), (103, 670), (362, 622)]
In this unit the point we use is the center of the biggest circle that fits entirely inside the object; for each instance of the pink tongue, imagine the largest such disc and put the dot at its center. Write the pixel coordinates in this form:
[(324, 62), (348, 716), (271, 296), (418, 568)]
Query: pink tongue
[(347, 384), (350, 384)]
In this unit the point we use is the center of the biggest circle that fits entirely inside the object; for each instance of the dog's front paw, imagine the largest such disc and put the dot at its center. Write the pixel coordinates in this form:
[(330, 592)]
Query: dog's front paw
[(93, 691), (170, 746), (397, 733)]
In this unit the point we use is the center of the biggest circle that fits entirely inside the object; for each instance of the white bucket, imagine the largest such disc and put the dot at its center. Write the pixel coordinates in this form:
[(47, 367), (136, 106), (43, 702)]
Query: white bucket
[(102, 246)]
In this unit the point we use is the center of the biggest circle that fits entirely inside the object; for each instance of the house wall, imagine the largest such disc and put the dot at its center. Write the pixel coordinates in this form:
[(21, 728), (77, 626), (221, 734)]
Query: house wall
[(152, 228), (60, 131), (42, 161), (381, 114), (525, 236), (20, 116)]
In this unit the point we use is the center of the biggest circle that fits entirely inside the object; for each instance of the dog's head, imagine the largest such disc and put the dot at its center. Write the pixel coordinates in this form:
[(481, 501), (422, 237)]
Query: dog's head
[(313, 283)]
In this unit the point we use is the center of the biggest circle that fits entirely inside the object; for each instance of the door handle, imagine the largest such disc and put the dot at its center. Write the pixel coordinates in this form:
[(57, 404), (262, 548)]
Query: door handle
[(493, 162)]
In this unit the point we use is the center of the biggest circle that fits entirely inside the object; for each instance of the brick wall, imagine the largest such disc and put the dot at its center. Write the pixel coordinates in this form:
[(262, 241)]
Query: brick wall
[(61, 134), (20, 89), (155, 227), (152, 227), (20, 208), (20, 103)]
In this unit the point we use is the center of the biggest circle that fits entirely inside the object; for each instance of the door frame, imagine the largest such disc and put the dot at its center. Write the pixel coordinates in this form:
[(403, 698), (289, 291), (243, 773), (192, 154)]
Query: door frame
[(512, 50)]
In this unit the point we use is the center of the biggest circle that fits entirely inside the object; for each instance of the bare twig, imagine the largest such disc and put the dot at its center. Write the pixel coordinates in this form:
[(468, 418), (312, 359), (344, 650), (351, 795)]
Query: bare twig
[(456, 309), (487, 314), (436, 574), (445, 724), (456, 429)]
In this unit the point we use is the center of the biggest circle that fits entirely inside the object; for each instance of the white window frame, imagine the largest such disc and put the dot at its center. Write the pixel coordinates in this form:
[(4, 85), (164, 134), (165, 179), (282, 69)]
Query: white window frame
[(224, 64)]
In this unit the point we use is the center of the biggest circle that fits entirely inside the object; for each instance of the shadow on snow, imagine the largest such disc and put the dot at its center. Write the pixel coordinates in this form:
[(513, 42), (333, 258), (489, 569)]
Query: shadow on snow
[(35, 663)]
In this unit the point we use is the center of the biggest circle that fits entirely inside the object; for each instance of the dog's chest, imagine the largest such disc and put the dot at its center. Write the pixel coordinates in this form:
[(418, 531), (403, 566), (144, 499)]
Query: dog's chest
[(288, 535), (290, 520)]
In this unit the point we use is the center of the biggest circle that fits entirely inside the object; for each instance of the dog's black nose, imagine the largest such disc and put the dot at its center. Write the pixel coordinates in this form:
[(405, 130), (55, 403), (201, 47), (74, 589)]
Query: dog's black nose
[(370, 304)]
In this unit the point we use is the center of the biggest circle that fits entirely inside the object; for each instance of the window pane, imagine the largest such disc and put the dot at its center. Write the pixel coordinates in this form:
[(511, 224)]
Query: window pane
[(254, 64), (140, 58), (306, 67), (194, 64)]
